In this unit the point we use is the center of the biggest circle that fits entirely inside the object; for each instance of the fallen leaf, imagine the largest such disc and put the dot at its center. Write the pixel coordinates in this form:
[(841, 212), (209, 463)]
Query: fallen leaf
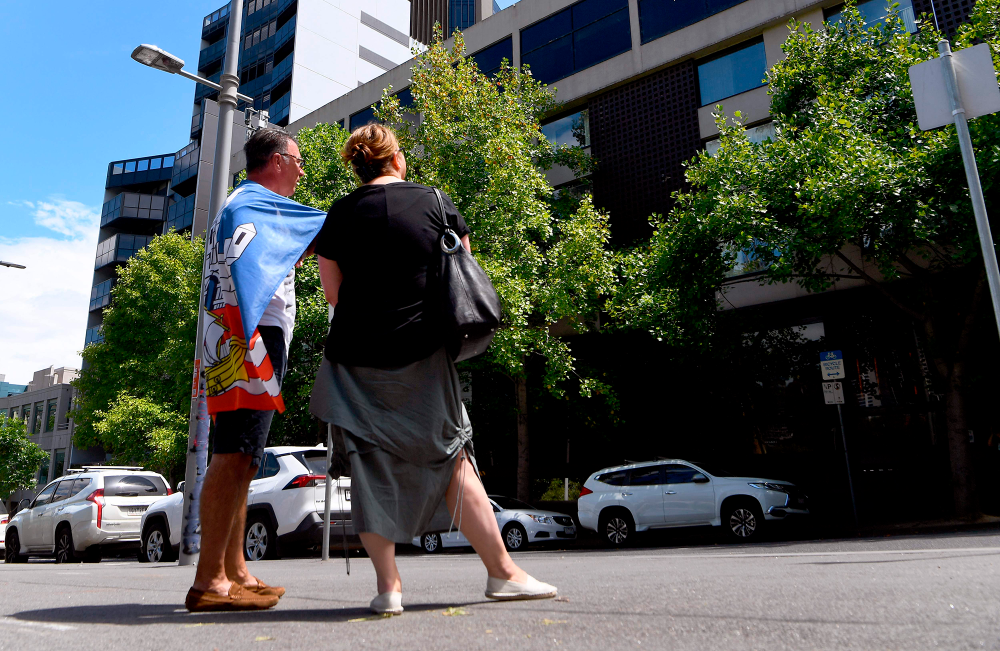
[(454, 611), (565, 599), (489, 630), (199, 624), (549, 622), (262, 638), (370, 619)]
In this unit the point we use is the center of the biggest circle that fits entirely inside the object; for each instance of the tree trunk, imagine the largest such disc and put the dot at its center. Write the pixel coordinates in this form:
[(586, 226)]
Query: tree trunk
[(959, 450), (523, 475)]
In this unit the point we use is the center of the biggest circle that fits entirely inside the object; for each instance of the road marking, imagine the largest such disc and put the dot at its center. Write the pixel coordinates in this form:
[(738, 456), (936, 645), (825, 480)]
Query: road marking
[(52, 627), (860, 552)]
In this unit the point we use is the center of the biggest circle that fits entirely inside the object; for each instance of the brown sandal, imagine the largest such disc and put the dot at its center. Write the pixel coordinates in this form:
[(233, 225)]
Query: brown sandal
[(238, 598), (264, 589)]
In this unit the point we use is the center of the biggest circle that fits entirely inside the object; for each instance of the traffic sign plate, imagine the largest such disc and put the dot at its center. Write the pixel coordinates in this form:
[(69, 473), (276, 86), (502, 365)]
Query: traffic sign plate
[(831, 365), (833, 393)]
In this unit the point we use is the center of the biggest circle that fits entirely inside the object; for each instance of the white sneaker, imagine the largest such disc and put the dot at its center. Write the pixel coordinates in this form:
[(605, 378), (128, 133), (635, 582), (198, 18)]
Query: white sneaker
[(387, 603), (511, 590)]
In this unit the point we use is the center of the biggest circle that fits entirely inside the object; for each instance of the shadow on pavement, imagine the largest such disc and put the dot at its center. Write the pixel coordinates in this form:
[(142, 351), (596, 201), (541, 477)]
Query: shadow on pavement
[(149, 614)]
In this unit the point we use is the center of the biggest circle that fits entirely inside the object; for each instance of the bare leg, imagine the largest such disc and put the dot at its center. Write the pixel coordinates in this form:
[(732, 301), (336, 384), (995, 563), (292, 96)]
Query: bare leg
[(220, 496), (382, 551), (478, 523), (236, 565)]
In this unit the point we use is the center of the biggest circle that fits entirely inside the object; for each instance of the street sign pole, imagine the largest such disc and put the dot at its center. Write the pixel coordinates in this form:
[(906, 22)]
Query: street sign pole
[(329, 493), (847, 464), (972, 176)]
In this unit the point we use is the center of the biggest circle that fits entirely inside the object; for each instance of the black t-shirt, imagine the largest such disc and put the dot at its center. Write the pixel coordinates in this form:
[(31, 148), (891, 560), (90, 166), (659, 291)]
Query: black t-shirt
[(385, 240)]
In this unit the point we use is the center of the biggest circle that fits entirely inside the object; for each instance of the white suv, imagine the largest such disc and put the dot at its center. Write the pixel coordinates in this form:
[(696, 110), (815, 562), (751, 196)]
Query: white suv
[(617, 502), (82, 514), (285, 506)]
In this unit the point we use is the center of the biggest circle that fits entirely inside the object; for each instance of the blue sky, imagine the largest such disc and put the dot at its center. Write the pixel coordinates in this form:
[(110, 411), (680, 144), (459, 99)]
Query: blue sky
[(75, 102)]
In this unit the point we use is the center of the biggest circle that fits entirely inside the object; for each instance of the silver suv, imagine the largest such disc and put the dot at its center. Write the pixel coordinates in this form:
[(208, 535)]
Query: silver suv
[(81, 515)]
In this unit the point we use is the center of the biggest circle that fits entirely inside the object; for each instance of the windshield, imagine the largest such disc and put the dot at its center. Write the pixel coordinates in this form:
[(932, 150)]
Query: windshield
[(510, 503), (714, 470), (314, 460)]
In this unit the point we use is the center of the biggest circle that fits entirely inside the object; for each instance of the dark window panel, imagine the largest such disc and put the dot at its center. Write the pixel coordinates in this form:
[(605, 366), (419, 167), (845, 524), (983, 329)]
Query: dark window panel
[(546, 31), (552, 62), (589, 11), (732, 73), (489, 59), (602, 40)]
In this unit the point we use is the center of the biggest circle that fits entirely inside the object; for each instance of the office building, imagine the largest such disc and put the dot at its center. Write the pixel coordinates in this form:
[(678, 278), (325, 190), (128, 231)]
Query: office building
[(638, 81), (8, 389)]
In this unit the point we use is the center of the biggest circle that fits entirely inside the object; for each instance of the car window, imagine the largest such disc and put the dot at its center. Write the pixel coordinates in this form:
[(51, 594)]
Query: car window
[(496, 509), (314, 460), (80, 485), (648, 476), (3, 509), (44, 496), (64, 490), (616, 478), (680, 474), (714, 470), (271, 466), (510, 503), (133, 486)]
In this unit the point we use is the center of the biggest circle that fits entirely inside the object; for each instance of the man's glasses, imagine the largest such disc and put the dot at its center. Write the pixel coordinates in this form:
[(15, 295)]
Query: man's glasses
[(298, 161)]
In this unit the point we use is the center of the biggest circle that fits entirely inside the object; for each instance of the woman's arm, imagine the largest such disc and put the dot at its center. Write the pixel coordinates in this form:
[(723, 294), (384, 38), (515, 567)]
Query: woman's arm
[(331, 277), (466, 244)]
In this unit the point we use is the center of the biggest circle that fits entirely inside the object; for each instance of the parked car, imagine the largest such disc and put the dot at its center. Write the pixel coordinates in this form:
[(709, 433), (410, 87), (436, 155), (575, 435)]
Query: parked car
[(83, 514), (285, 506), (4, 519), (620, 501), (520, 523)]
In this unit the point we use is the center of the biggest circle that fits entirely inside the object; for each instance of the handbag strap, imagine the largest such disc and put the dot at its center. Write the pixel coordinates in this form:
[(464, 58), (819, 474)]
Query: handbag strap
[(444, 213)]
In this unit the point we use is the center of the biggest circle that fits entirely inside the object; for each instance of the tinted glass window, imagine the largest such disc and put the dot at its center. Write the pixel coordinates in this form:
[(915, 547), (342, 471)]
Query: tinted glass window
[(660, 17), (680, 474), (601, 40), (489, 59), (573, 130), (133, 486), (44, 496), (616, 478), (733, 73), (80, 485), (874, 12), (646, 476), (716, 471), (547, 31), (64, 490), (271, 466), (314, 460), (510, 502), (362, 118)]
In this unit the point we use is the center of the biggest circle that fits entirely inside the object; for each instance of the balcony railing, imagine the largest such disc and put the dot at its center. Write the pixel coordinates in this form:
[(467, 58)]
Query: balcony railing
[(100, 295), (139, 170), (132, 207), (117, 249), (212, 53), (186, 165), (180, 214)]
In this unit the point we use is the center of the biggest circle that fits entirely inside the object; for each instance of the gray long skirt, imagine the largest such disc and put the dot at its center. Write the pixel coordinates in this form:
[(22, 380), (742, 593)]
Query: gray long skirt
[(403, 428)]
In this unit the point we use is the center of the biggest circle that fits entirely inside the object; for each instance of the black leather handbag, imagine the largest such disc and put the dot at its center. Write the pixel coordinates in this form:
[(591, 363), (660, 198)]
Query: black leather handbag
[(470, 306)]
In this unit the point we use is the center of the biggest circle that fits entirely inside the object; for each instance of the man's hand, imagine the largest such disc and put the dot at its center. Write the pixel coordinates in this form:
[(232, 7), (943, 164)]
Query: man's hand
[(310, 250)]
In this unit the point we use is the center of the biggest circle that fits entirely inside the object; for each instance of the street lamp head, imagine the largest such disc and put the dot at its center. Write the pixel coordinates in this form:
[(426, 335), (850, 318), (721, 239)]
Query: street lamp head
[(12, 264), (154, 57)]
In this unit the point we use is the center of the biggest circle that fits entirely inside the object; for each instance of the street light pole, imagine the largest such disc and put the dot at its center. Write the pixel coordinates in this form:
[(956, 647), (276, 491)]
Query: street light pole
[(198, 423)]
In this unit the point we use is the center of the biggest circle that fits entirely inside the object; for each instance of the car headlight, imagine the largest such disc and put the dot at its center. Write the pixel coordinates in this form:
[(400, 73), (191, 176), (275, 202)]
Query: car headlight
[(542, 519), (771, 486)]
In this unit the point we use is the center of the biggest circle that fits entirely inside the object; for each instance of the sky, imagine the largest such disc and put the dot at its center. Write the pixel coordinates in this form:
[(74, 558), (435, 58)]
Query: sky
[(75, 102)]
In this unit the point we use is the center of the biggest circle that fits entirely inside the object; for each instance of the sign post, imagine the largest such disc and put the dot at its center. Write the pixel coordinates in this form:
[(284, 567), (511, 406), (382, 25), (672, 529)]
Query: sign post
[(832, 366), (957, 87)]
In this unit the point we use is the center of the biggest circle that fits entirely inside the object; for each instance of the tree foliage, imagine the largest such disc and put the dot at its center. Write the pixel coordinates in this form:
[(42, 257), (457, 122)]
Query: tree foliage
[(478, 138), (848, 188), (144, 362), (146, 432), (20, 459)]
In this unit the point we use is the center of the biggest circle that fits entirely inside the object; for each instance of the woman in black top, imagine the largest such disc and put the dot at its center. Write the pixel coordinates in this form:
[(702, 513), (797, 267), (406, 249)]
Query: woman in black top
[(388, 385)]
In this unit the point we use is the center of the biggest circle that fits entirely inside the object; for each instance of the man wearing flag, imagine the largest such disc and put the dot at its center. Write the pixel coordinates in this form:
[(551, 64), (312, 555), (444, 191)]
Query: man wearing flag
[(249, 303)]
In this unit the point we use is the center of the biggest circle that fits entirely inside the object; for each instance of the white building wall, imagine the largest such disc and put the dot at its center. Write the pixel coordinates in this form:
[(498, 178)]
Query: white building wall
[(340, 44)]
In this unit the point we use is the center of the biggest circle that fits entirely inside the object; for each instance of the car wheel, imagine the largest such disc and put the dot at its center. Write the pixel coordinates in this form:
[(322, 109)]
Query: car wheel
[(155, 544), (260, 541), (742, 521), (12, 550), (431, 542), (514, 537), (617, 528), (64, 545)]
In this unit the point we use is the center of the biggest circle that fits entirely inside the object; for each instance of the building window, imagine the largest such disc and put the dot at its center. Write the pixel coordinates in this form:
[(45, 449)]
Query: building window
[(50, 415), (60, 462), (488, 60), (361, 118), (572, 130), (461, 14), (873, 12), (576, 38), (756, 135), (26, 415), (661, 17), (36, 422), (732, 73), (43, 472)]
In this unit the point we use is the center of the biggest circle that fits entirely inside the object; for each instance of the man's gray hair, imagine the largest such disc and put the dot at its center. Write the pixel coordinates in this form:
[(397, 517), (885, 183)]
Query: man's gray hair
[(264, 144)]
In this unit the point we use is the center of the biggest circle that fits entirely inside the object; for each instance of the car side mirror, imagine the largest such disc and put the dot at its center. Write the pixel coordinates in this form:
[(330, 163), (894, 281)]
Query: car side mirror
[(700, 478), (180, 486), (23, 504)]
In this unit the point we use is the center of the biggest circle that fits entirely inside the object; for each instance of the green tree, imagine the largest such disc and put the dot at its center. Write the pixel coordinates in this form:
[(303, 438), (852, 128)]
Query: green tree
[(478, 138), (144, 362), (146, 432), (20, 459), (849, 187)]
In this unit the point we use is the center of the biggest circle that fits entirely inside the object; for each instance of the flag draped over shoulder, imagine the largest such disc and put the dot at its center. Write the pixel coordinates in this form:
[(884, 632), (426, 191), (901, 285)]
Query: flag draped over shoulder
[(254, 242)]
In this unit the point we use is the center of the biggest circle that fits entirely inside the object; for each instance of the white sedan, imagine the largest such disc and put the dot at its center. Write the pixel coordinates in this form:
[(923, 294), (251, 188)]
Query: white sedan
[(520, 523)]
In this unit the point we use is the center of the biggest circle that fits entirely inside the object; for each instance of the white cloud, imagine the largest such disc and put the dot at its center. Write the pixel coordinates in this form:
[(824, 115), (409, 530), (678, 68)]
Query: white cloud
[(44, 307)]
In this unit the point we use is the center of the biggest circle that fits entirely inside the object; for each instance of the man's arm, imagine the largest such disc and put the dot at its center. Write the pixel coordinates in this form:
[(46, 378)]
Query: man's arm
[(331, 277)]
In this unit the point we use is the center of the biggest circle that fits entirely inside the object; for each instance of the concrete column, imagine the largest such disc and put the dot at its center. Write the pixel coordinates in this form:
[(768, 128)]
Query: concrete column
[(633, 21), (515, 42)]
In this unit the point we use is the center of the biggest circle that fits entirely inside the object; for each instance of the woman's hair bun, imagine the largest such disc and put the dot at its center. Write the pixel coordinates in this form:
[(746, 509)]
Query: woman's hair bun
[(369, 150)]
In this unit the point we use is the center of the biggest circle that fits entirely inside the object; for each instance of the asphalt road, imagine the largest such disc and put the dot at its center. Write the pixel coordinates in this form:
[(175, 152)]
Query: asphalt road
[(915, 592)]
